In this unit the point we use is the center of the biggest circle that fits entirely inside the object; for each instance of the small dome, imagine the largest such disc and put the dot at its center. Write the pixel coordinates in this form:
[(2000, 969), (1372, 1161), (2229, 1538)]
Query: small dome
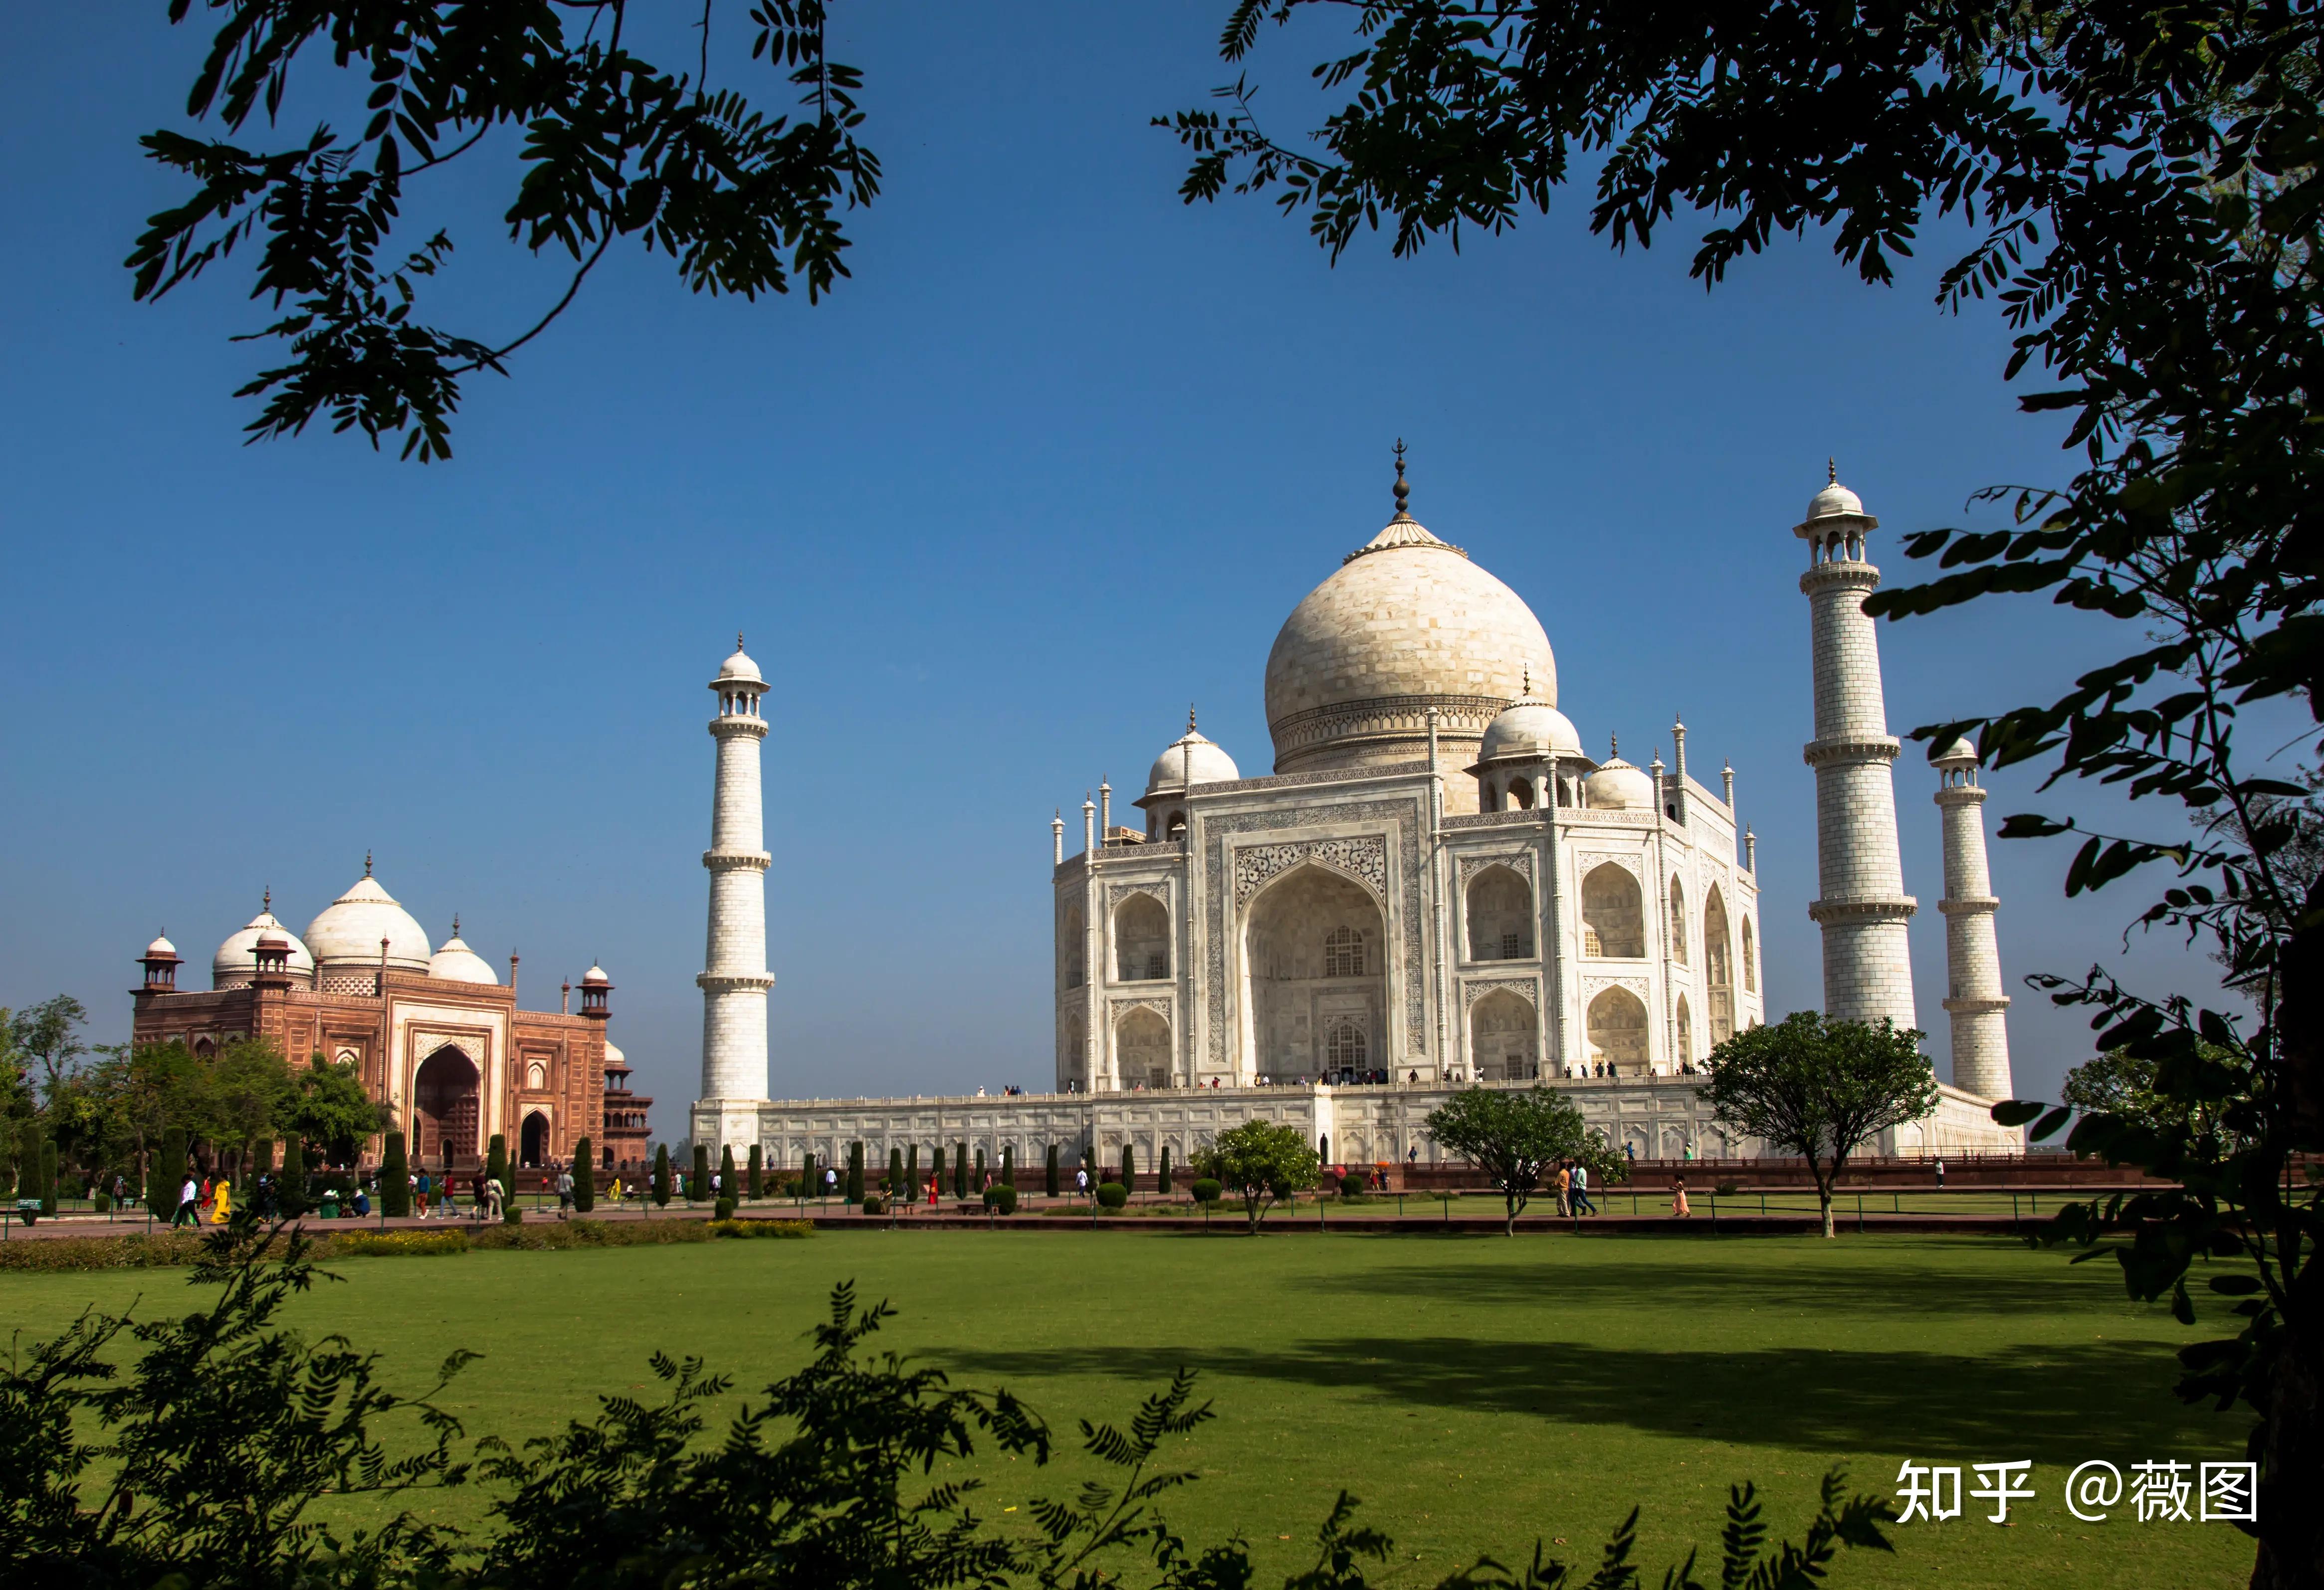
[(1621, 786), (1833, 500), (613, 1055), (1190, 758), (1531, 728), (739, 666), (349, 929), (1959, 754), (159, 948), (595, 978), (454, 962), (237, 959)]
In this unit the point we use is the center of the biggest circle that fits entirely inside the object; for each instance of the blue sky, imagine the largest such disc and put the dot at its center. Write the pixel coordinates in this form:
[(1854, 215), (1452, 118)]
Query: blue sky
[(1057, 461)]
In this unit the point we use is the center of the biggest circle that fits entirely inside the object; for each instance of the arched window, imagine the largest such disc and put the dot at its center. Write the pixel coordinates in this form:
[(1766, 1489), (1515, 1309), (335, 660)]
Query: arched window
[(1685, 1032), (1613, 917), (1177, 826), (1521, 792), (1343, 953), (1717, 980), (1345, 1045), (1617, 1033), (1677, 921), (1750, 960), (1141, 940), (1500, 915), (1073, 967)]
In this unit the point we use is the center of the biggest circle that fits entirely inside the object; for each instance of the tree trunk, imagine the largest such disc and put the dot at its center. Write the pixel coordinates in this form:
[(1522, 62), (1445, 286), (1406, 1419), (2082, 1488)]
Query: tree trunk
[(1509, 1227), (1824, 1199)]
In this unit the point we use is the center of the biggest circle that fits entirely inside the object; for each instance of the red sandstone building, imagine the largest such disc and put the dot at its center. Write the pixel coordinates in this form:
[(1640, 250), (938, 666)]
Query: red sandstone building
[(435, 1034)]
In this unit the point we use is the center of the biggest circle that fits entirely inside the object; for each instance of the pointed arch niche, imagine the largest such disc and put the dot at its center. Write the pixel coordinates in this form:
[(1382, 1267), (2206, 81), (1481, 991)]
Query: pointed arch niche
[(1314, 976)]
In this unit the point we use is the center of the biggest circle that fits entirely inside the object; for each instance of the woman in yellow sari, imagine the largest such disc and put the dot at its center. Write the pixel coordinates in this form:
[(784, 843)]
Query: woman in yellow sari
[(223, 1209)]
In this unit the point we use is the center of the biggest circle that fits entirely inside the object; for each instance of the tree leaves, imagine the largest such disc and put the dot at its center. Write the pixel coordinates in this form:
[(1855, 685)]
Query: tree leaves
[(610, 146)]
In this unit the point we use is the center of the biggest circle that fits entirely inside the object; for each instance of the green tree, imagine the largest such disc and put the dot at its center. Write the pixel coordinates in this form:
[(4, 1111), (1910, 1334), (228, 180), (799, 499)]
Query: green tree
[(1821, 1089), (757, 1171), (394, 1178), (662, 1174), (895, 1170), (979, 1183), (697, 1185), (585, 1175), (1162, 1178), (727, 1186), (166, 1177), (291, 1186), (46, 1040), (1049, 1182), (855, 1172), (24, 1162), (810, 1184), (938, 1170), (332, 1107), (614, 147), (496, 1165), (1128, 1167), (1009, 1166), (1262, 1163), (912, 1183), (960, 1170), (45, 1189), (1514, 1137)]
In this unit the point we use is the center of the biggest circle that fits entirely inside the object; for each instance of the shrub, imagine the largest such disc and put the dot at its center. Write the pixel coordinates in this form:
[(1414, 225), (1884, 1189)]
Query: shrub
[(511, 1213), (104, 1203), (70, 1187), (1727, 1189), (873, 1204), (697, 1185), (394, 1178), (1001, 1200), (762, 1228), (1049, 1177), (1207, 1191), (1354, 1185), (1112, 1195), (757, 1173), (723, 1210), (163, 1248), (397, 1244), (662, 1174), (585, 1176)]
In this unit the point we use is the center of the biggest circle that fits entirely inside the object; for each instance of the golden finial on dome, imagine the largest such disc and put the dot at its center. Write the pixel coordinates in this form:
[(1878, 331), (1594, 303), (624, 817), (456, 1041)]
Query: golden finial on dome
[(266, 899), (1190, 717), (1831, 472), (1403, 491), (1613, 747), (455, 925), (738, 640), (366, 863)]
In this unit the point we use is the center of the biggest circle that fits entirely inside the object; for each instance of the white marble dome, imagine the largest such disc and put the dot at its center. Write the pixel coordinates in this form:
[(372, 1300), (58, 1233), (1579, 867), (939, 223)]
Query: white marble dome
[(454, 962), (595, 978), (236, 960), (613, 1055), (1833, 500), (1408, 622), (159, 948), (348, 931), (1620, 786), (740, 667), (1959, 754), (1190, 758), (1529, 728)]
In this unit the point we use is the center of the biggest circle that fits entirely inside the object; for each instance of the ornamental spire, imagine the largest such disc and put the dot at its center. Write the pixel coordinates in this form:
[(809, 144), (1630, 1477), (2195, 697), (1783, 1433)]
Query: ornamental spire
[(1402, 491)]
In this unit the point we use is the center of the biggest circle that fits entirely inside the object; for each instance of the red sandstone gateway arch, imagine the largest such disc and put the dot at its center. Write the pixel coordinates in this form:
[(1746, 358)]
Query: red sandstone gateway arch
[(445, 1109)]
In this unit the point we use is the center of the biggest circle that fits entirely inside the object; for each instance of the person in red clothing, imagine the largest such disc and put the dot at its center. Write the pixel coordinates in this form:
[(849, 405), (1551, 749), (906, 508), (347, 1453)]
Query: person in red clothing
[(932, 1192)]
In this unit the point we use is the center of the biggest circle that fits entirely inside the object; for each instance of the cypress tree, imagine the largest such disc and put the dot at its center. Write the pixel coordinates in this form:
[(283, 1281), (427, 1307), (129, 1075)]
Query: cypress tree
[(168, 1175), (939, 1172), (1050, 1185), (1162, 1183), (585, 1177), (808, 1187), (662, 1174), (496, 1161), (1009, 1166), (27, 1166), (291, 1186), (855, 1172), (394, 1178), (261, 1158), (912, 1170), (895, 1172), (727, 1186), (960, 1170), (1128, 1167), (757, 1172), (697, 1185), (48, 1175), (978, 1186)]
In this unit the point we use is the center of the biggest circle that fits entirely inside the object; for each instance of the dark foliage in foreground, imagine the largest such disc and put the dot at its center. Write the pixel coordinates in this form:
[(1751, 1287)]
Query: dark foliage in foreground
[(214, 1453)]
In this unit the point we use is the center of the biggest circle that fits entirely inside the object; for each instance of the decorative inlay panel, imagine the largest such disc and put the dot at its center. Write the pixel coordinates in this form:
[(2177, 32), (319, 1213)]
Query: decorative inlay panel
[(1526, 987), (1517, 861), (1364, 858), (1116, 893), (1586, 861), (1591, 987)]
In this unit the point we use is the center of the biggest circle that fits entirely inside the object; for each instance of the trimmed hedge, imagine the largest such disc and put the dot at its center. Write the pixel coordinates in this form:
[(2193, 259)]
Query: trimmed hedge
[(763, 1228), (1112, 1195), (873, 1204), (1207, 1191), (1001, 1198), (389, 1244), (723, 1210)]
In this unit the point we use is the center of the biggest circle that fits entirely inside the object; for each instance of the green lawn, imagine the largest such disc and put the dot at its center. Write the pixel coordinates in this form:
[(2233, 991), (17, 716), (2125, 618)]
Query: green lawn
[(1473, 1392)]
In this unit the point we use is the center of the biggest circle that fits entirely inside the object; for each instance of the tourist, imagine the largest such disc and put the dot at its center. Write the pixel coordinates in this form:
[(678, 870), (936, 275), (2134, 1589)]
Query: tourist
[(565, 1194), (1631, 1152), (1941, 1174), (189, 1196), (361, 1205), (1581, 1204), (830, 1182), (482, 1188), (423, 1186), (222, 1202), (1081, 1183), (204, 1203), (932, 1192), (1678, 1196), (1565, 1190)]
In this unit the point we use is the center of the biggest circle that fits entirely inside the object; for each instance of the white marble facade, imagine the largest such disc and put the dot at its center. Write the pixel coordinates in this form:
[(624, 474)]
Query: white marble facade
[(1436, 888)]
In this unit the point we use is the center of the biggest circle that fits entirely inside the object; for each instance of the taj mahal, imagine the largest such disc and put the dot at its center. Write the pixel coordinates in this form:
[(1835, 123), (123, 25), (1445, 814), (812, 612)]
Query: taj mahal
[(1437, 886)]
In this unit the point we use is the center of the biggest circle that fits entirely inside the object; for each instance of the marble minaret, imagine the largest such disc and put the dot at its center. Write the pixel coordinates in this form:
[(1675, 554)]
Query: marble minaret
[(1862, 908), (1973, 996), (734, 979)]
